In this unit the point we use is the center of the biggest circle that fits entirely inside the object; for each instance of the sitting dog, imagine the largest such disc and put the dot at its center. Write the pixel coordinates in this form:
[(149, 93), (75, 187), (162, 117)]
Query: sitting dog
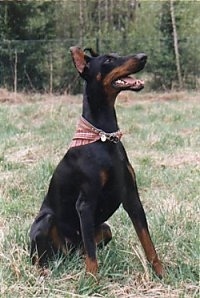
[(95, 176)]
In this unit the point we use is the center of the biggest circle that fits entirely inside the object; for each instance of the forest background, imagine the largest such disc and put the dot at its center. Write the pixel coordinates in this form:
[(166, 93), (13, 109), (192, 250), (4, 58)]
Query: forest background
[(35, 37)]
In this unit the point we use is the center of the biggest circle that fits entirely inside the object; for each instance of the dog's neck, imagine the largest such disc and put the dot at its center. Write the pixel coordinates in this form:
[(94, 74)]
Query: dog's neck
[(99, 111)]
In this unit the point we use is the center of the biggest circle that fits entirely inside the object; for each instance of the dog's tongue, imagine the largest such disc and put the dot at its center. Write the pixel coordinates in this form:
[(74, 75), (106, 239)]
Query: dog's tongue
[(128, 80)]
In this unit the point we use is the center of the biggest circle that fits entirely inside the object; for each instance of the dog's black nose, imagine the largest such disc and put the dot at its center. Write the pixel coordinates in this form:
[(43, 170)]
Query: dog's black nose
[(142, 57)]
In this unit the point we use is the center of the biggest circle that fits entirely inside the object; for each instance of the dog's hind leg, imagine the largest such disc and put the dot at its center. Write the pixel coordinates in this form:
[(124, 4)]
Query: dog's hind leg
[(134, 208), (39, 238), (45, 239)]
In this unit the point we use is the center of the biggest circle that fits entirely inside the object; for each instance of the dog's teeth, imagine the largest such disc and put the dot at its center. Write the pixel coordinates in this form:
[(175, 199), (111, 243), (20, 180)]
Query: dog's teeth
[(120, 82)]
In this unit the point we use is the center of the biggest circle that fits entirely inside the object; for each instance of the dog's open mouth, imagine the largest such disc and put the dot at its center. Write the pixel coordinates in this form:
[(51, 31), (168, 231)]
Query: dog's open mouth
[(128, 83)]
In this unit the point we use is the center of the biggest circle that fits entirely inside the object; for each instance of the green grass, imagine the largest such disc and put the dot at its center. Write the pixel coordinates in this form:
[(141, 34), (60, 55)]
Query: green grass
[(162, 138)]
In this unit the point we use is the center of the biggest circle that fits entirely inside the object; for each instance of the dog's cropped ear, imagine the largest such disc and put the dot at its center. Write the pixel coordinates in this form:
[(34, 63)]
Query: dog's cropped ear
[(80, 59)]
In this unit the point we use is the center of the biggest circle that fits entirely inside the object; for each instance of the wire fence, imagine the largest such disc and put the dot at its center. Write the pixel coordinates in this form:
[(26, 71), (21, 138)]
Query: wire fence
[(46, 65)]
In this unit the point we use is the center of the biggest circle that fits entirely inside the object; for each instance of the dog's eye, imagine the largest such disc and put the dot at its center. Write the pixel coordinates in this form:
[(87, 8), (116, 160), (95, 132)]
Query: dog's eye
[(109, 60)]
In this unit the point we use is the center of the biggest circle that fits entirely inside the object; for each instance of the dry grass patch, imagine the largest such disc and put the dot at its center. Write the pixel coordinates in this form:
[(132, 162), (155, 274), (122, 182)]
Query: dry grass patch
[(180, 159), (129, 97)]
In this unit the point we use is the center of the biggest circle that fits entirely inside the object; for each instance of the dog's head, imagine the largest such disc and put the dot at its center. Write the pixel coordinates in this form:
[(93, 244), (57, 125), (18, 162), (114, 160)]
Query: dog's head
[(112, 71)]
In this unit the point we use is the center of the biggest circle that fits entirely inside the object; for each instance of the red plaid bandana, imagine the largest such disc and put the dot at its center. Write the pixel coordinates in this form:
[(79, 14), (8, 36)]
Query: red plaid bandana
[(86, 133)]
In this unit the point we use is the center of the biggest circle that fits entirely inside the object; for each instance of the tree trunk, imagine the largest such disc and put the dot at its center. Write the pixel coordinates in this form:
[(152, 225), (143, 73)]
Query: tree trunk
[(99, 15), (81, 22), (15, 74), (50, 73), (176, 49)]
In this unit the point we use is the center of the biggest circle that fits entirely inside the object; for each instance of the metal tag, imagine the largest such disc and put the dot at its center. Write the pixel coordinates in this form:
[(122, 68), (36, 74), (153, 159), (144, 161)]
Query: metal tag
[(103, 138)]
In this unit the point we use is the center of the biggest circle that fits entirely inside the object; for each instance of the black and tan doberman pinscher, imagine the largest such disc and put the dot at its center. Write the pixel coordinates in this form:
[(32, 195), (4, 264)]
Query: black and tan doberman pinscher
[(95, 175)]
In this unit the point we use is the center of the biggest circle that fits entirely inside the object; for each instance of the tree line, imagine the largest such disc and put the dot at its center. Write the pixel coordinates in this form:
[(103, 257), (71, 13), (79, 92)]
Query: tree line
[(35, 37)]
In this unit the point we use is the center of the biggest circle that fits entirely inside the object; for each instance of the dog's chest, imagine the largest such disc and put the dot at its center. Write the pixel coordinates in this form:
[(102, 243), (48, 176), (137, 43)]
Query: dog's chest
[(111, 196)]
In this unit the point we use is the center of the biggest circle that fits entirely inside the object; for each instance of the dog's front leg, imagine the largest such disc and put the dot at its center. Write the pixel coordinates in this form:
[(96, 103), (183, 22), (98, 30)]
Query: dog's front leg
[(86, 217), (134, 208)]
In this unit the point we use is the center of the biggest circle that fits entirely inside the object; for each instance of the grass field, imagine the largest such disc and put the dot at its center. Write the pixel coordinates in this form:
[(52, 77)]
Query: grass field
[(162, 138)]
